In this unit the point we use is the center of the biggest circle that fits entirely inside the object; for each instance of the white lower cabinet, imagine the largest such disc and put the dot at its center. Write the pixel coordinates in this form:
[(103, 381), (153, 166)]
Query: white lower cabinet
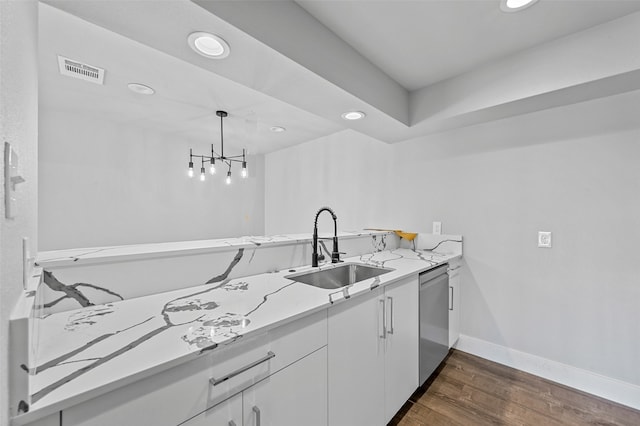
[(373, 355), (401, 345), (295, 395), (356, 362), (211, 382), (454, 303), (51, 420), (228, 413)]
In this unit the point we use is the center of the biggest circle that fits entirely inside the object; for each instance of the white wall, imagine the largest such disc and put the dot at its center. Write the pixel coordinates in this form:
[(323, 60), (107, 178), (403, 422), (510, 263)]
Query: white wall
[(346, 171), (103, 183), (572, 170), (18, 125)]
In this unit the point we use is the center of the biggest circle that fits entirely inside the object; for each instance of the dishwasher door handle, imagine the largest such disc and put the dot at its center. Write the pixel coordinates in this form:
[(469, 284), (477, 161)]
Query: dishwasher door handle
[(451, 298)]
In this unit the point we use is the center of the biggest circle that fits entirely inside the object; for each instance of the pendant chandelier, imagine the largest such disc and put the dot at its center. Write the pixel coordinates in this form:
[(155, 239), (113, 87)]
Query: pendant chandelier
[(221, 159)]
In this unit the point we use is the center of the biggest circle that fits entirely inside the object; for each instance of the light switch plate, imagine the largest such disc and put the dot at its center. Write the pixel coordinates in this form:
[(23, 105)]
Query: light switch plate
[(437, 228), (544, 239), (11, 179)]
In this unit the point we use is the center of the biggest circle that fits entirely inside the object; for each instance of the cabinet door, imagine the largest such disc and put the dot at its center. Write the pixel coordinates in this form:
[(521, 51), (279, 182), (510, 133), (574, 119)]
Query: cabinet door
[(50, 420), (227, 413), (356, 362), (454, 306), (401, 354), (294, 396)]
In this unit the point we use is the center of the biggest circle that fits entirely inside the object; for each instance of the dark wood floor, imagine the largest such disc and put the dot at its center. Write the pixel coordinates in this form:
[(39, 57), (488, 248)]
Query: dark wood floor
[(467, 390)]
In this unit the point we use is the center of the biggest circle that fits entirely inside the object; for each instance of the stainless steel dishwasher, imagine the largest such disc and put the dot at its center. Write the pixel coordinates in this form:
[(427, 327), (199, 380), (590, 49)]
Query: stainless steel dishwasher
[(434, 320)]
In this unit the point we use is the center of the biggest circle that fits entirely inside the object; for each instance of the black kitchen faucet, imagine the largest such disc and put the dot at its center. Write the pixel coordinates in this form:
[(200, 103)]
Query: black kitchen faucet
[(335, 254)]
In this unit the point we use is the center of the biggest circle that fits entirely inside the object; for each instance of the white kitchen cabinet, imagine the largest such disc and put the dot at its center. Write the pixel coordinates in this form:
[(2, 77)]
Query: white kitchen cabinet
[(180, 393), (401, 345), (50, 420), (356, 362), (373, 355), (227, 413), (295, 395), (454, 303)]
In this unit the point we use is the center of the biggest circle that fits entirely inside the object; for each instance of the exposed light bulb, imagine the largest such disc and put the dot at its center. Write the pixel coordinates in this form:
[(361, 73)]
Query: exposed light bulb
[(212, 169), (190, 171), (228, 180), (244, 169), (202, 174)]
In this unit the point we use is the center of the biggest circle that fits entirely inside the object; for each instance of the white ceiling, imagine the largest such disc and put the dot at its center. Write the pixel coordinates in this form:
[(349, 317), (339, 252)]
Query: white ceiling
[(418, 43), (186, 97), (301, 64)]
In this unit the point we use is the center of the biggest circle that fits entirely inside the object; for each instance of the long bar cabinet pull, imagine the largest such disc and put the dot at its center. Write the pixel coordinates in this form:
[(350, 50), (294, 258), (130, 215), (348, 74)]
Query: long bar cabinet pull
[(383, 334), (216, 382), (390, 331), (451, 298)]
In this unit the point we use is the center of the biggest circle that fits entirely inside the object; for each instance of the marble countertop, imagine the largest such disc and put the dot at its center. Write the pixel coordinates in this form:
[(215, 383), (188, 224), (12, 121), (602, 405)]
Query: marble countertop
[(93, 255), (86, 352)]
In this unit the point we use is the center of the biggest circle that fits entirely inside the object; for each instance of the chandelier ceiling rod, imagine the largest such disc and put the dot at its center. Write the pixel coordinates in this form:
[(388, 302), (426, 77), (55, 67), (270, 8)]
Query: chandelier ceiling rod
[(221, 114)]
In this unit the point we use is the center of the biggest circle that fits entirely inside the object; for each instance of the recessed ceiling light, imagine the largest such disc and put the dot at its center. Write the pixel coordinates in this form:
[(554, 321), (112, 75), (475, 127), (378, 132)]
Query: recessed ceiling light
[(208, 45), (515, 5), (277, 129), (353, 115), (140, 89)]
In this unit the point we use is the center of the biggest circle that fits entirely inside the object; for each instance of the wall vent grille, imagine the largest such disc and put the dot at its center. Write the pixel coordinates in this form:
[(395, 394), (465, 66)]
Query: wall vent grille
[(76, 69)]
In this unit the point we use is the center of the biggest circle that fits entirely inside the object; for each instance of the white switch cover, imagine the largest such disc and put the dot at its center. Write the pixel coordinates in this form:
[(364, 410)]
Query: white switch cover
[(11, 179), (544, 239), (437, 228)]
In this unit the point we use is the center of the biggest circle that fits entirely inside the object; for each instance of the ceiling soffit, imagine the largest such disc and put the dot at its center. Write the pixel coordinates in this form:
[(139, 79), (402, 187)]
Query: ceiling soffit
[(275, 51)]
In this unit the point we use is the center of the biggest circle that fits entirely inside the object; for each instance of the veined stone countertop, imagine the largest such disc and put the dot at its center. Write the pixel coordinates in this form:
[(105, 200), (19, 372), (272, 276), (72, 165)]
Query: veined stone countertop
[(86, 352), (85, 256)]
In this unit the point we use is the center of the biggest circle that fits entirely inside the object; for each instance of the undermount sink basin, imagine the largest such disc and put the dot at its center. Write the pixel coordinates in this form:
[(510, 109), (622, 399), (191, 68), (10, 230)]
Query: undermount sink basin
[(339, 276)]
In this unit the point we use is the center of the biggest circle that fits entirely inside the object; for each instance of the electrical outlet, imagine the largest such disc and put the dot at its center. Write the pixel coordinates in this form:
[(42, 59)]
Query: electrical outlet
[(544, 239), (437, 228)]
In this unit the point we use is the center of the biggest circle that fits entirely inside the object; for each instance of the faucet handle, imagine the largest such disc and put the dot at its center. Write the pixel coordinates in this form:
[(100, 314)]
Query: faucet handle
[(335, 256)]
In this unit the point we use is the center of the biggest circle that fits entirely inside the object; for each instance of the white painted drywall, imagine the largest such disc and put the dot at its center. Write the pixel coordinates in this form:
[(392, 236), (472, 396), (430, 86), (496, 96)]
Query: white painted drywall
[(571, 170), (18, 125), (346, 171), (105, 183)]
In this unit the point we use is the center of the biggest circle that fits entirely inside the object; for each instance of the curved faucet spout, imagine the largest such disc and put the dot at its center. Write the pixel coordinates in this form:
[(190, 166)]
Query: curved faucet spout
[(333, 215)]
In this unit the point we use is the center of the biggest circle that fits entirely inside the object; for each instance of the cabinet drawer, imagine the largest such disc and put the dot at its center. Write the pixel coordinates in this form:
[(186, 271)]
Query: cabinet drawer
[(246, 363), (173, 396)]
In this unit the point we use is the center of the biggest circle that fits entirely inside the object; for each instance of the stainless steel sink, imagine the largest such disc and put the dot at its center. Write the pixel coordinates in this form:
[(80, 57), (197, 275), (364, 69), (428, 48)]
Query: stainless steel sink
[(339, 276)]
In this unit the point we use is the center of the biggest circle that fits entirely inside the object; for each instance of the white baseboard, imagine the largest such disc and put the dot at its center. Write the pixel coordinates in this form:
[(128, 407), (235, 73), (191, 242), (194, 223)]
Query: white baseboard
[(596, 384)]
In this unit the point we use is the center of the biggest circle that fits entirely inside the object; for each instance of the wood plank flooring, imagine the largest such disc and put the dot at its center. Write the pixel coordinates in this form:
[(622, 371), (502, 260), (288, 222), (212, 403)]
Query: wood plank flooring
[(467, 390)]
